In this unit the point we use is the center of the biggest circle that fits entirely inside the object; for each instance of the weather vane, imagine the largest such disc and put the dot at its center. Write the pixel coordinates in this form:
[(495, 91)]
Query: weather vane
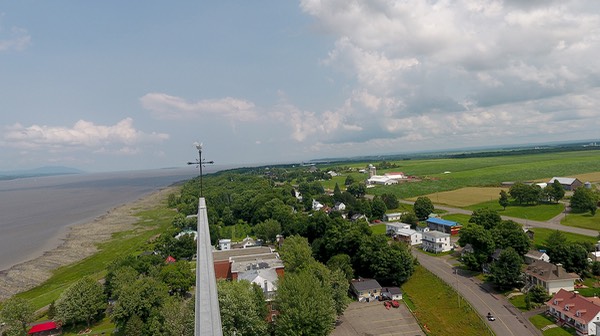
[(200, 162)]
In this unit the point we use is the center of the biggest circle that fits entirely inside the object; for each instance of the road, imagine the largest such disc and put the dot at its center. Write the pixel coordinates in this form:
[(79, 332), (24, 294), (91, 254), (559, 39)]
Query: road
[(509, 320)]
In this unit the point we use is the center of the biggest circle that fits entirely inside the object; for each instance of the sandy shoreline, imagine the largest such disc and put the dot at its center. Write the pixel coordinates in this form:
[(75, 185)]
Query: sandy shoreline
[(80, 242)]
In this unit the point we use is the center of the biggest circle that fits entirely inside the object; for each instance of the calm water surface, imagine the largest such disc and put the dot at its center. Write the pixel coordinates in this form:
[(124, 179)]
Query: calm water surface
[(35, 212)]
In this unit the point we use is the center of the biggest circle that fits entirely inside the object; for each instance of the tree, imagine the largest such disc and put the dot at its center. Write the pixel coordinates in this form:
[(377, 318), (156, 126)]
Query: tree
[(409, 217), (389, 263), (555, 247), (378, 208), (391, 201), (538, 294), (142, 298), (178, 316), (298, 313), (81, 302), (337, 193), (506, 271), (178, 277), (17, 313), (343, 263), (523, 193), (503, 201), (481, 241), (241, 310), (583, 200), (485, 217), (510, 234), (267, 230), (296, 253), (349, 180), (423, 207), (134, 326), (556, 191), (357, 189)]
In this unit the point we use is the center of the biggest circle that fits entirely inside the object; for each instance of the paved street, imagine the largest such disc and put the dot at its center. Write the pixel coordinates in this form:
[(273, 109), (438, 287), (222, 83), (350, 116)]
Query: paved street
[(509, 320)]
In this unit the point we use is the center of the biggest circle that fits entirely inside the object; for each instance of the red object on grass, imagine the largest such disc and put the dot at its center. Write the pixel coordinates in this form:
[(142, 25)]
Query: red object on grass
[(42, 327)]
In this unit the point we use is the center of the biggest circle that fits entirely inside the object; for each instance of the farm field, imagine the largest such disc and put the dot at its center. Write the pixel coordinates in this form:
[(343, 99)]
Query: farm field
[(465, 197), (487, 171)]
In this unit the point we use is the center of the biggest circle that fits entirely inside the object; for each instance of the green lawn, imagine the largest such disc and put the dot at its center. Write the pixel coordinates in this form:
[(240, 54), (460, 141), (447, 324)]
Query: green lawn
[(519, 302), (582, 220), (442, 309), (541, 234), (540, 321), (378, 228), (124, 243), (541, 212)]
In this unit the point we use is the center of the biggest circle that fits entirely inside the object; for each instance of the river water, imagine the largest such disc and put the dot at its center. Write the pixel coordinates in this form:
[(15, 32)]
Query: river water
[(36, 212)]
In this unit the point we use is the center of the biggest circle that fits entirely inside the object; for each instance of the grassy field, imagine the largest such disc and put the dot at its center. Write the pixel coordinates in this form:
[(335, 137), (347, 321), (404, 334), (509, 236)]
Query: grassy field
[(582, 220), (540, 321), (123, 243), (459, 218), (445, 317), (488, 171), (540, 212), (542, 234), (378, 229)]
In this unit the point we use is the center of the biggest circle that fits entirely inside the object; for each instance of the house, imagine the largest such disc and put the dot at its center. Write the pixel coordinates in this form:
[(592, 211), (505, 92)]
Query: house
[(225, 244), (392, 228), (339, 206), (391, 217), (194, 233), (442, 225), (576, 311), (247, 242), (534, 255), (409, 236), (468, 248), (49, 328), (357, 217), (259, 265), (551, 277), (316, 205), (332, 173), (569, 183), (392, 293), (365, 289), (170, 260), (436, 242)]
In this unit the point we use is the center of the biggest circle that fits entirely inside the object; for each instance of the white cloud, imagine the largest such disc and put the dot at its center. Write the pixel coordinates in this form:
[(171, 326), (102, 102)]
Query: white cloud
[(165, 106), (14, 39), (119, 138)]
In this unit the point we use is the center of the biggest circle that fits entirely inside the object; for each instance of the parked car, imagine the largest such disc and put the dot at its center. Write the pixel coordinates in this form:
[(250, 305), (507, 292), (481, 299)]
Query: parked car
[(395, 304)]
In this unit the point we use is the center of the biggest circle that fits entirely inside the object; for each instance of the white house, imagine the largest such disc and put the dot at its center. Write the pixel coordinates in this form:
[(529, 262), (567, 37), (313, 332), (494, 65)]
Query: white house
[(392, 228), (225, 244), (316, 205), (534, 255), (552, 277), (339, 206), (577, 311), (409, 236), (436, 242), (393, 216), (392, 293)]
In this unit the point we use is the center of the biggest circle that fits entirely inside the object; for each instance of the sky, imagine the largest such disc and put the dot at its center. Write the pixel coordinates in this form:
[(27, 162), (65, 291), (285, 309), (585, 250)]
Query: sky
[(125, 85)]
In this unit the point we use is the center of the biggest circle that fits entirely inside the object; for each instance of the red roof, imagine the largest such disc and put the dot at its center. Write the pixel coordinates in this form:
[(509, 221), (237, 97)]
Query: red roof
[(587, 309), (42, 327), (170, 259)]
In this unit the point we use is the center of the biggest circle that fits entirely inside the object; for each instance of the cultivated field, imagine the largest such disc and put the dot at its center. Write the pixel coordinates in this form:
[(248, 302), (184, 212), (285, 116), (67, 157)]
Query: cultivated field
[(465, 196)]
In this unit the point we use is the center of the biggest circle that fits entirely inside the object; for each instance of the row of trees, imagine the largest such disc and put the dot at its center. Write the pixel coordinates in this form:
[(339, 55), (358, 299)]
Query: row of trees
[(533, 194)]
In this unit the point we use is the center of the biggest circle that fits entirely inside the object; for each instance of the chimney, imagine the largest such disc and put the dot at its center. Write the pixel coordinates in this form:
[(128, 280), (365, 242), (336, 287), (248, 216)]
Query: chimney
[(266, 289), (558, 270)]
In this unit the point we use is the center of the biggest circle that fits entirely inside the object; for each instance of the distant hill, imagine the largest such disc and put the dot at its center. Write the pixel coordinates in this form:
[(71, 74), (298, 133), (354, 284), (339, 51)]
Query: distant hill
[(42, 171)]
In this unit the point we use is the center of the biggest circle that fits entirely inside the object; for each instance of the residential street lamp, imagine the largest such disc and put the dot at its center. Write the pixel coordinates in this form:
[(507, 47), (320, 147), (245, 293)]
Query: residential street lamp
[(200, 162)]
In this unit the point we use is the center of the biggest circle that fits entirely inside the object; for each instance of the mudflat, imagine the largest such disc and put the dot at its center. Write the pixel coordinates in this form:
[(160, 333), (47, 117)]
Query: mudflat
[(79, 243)]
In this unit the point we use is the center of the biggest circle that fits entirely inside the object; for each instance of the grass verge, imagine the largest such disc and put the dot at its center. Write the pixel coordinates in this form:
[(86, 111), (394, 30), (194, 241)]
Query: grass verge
[(441, 308), (582, 220), (541, 235), (124, 243)]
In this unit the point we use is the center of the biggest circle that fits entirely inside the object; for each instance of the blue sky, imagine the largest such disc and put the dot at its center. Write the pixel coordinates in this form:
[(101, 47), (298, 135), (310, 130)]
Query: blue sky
[(113, 85)]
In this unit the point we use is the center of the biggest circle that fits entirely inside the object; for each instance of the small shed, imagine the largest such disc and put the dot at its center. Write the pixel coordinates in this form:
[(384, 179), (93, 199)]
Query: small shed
[(49, 328)]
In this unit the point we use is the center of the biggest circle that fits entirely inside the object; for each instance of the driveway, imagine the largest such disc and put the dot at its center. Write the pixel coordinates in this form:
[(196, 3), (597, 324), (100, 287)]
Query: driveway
[(373, 319)]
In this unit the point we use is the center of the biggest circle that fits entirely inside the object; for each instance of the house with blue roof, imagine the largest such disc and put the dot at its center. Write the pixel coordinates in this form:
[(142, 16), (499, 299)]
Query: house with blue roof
[(442, 225)]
